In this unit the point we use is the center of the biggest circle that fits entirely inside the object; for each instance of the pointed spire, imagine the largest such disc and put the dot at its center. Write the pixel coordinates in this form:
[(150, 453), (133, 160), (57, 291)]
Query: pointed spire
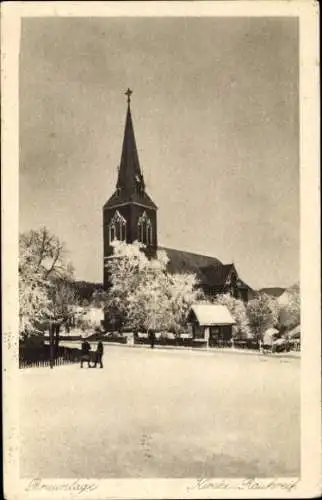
[(130, 176), (128, 93), (130, 186)]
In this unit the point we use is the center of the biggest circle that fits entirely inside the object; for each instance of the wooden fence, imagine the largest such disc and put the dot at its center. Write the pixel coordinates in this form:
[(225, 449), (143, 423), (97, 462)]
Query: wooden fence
[(40, 356)]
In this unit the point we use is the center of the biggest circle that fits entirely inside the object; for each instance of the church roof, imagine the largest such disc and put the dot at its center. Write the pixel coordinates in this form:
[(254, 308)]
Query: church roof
[(130, 186), (209, 270), (181, 261), (120, 197), (217, 275)]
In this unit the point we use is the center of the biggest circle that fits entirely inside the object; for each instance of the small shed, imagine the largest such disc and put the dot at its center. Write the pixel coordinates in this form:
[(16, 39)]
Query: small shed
[(211, 322)]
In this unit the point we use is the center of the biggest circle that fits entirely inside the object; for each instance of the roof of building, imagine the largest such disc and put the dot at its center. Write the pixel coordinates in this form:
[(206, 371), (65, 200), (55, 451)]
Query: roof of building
[(120, 197), (273, 291), (217, 274), (212, 314), (295, 332), (130, 186), (209, 270), (181, 261)]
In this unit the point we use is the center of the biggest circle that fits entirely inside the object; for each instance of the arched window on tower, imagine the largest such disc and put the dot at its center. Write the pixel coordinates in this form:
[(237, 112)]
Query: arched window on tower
[(145, 231), (117, 228)]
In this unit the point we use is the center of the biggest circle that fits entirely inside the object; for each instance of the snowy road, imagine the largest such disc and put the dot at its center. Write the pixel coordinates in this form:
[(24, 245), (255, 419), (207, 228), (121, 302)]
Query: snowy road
[(162, 413)]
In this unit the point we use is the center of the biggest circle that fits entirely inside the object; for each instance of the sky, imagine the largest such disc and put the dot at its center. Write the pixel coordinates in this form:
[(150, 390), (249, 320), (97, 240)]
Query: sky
[(215, 113)]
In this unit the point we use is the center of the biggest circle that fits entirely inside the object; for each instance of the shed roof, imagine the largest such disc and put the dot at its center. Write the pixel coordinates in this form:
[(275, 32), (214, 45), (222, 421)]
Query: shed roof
[(212, 314)]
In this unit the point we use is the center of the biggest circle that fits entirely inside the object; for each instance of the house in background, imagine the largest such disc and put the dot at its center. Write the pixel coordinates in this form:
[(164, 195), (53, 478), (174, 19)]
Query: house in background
[(90, 315), (212, 323), (94, 315), (294, 337)]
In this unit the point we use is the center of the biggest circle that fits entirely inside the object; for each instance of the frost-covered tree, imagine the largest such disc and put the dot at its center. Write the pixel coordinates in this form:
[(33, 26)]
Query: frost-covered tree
[(44, 254), (237, 309), (63, 297), (181, 293), (262, 313), (126, 271), (290, 308), (144, 294), (148, 307), (42, 265), (34, 304)]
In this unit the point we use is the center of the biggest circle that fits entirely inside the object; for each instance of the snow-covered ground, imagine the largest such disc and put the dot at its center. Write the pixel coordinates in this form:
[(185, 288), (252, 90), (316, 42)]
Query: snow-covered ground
[(162, 413)]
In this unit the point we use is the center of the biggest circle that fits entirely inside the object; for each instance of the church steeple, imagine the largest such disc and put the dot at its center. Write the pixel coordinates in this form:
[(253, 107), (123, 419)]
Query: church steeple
[(130, 178), (130, 185), (129, 215)]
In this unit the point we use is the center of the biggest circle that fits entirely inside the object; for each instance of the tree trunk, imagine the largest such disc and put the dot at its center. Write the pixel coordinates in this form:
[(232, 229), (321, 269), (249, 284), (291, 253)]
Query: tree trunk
[(57, 329)]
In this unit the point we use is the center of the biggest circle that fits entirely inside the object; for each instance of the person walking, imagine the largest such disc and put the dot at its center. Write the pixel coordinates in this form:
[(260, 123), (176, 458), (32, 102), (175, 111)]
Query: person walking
[(85, 353), (99, 354), (152, 339)]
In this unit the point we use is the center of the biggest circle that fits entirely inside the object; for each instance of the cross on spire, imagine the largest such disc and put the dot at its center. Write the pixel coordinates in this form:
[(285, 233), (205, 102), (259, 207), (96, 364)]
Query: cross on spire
[(128, 93)]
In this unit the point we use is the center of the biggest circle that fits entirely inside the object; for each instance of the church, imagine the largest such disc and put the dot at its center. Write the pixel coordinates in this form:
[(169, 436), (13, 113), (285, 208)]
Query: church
[(130, 215)]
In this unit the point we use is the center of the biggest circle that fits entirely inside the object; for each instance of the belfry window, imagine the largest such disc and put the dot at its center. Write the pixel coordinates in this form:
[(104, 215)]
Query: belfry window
[(145, 231), (117, 228)]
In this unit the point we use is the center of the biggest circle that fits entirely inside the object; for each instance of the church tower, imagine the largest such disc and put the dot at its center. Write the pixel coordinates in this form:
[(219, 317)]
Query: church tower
[(129, 214)]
